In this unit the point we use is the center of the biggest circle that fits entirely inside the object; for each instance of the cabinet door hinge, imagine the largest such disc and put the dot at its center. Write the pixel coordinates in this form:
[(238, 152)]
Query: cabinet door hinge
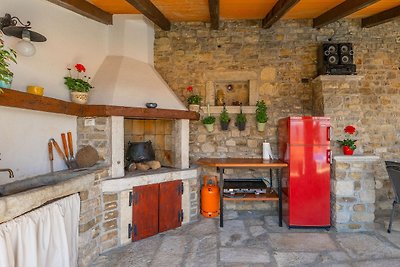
[(180, 189), (180, 216), (130, 198), (129, 230)]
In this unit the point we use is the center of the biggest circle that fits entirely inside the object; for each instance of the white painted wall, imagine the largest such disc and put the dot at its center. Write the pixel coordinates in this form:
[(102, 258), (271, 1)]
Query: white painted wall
[(132, 36), (71, 39)]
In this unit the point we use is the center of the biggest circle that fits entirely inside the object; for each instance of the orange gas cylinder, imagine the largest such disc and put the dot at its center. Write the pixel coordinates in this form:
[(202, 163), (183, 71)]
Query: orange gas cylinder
[(210, 197)]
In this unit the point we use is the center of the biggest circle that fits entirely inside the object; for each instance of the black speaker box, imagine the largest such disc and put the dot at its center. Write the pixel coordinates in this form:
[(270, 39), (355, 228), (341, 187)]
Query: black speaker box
[(336, 59)]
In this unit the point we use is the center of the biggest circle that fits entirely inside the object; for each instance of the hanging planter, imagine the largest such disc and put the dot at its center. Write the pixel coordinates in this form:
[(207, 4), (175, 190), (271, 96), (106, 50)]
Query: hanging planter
[(224, 119), (241, 120), (261, 115), (209, 120)]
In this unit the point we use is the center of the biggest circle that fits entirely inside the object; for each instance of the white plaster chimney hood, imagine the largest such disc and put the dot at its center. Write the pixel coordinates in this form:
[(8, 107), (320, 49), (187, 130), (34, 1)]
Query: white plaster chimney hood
[(127, 76)]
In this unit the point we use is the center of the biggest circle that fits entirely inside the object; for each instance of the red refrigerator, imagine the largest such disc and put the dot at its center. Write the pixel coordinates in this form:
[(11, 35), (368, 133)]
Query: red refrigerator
[(304, 143)]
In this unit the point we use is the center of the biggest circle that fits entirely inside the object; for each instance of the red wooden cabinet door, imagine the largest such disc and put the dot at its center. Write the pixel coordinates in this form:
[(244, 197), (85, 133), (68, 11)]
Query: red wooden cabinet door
[(145, 211), (170, 205)]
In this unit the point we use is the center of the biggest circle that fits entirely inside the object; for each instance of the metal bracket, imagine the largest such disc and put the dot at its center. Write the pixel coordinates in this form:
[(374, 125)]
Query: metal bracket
[(130, 198), (129, 230)]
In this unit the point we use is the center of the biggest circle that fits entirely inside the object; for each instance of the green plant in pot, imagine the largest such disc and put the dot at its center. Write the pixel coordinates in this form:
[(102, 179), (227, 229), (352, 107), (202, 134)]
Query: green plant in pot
[(224, 119), (209, 123), (241, 120), (261, 115), (7, 55), (193, 100)]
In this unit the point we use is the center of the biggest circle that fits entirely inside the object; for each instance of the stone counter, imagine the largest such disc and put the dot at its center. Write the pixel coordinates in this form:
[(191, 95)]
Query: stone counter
[(26, 195), (353, 193)]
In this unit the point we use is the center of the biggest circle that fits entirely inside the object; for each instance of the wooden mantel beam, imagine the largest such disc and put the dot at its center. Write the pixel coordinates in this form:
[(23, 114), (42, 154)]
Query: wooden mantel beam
[(86, 9), (381, 17), (278, 11), (340, 11), (147, 8), (213, 6)]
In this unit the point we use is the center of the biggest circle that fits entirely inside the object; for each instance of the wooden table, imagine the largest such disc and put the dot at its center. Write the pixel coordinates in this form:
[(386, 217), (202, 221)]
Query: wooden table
[(223, 163)]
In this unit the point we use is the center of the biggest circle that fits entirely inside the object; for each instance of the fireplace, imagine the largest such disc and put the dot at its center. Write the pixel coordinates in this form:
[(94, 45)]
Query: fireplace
[(158, 132)]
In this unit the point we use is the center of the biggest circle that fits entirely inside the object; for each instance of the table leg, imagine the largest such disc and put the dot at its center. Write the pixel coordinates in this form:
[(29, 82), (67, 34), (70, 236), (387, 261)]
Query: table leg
[(221, 197), (279, 178)]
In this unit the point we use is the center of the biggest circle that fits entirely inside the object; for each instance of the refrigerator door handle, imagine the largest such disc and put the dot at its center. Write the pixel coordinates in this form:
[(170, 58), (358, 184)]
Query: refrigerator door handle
[(329, 156), (329, 133)]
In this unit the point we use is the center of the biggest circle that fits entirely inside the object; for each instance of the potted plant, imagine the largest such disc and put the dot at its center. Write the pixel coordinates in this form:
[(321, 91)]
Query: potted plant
[(78, 86), (348, 144), (224, 119), (209, 123), (241, 120), (261, 115), (193, 100), (7, 55), (209, 120)]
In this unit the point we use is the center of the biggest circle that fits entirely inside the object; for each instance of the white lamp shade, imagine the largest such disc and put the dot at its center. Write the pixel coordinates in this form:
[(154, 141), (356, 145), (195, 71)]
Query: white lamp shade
[(25, 48)]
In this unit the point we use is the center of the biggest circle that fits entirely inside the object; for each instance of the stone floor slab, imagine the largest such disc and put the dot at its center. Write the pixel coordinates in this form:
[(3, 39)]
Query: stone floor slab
[(367, 246), (295, 258), (233, 233), (244, 255), (302, 242)]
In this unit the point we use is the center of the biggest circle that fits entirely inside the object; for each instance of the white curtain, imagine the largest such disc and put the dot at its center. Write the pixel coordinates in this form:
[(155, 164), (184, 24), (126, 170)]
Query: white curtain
[(45, 237)]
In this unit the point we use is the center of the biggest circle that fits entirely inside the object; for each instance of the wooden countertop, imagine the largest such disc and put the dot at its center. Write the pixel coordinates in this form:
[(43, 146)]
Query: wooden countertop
[(241, 163)]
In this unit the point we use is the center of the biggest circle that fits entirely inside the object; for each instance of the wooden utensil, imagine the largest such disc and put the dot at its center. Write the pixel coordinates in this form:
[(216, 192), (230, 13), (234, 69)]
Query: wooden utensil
[(51, 156), (72, 160), (64, 142), (60, 153)]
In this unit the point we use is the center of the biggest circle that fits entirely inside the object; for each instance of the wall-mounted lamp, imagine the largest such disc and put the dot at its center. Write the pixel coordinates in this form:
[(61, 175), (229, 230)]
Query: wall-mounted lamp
[(8, 25)]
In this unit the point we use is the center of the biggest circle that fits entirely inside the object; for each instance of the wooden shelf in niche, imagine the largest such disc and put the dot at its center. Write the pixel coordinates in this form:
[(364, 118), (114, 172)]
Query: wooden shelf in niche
[(18, 99)]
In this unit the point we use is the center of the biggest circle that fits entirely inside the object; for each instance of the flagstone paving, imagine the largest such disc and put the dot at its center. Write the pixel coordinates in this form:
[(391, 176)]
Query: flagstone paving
[(250, 238)]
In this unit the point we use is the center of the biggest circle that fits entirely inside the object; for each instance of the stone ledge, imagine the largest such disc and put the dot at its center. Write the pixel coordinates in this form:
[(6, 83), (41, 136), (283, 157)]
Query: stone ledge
[(126, 183), (356, 158), (338, 78)]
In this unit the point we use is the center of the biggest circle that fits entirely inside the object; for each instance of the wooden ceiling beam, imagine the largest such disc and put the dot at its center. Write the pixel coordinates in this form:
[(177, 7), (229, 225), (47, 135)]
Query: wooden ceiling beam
[(340, 11), (278, 11), (86, 9), (147, 8), (382, 17), (213, 6)]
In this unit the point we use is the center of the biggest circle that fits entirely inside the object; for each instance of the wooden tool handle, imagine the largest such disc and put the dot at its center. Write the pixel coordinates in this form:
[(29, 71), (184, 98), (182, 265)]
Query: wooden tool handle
[(59, 151), (50, 147), (64, 141), (70, 145)]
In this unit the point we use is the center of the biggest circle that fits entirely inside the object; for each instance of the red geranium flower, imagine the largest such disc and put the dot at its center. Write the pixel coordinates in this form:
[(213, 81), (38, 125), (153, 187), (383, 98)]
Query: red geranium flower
[(350, 129), (80, 68), (189, 88)]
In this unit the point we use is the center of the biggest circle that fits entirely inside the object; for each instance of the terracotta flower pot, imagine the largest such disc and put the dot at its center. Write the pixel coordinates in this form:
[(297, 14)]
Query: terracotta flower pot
[(347, 151)]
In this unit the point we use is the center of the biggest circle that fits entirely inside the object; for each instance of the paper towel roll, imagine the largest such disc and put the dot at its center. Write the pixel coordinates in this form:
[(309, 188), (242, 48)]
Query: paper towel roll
[(267, 153)]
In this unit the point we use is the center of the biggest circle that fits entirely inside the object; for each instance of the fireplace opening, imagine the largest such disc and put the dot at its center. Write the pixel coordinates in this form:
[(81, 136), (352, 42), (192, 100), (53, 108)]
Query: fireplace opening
[(158, 133)]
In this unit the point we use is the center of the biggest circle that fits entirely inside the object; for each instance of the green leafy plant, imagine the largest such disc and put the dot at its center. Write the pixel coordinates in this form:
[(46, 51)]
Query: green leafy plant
[(208, 120), (349, 131), (7, 55), (193, 99), (261, 111), (224, 116), (78, 84), (241, 117)]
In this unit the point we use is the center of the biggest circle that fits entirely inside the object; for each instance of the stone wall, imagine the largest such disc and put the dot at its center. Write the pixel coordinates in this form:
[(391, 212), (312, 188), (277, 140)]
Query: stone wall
[(353, 193), (284, 60), (91, 221)]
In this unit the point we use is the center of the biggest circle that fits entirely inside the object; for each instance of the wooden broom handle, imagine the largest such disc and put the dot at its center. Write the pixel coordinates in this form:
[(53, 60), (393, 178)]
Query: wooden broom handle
[(70, 145), (64, 141)]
